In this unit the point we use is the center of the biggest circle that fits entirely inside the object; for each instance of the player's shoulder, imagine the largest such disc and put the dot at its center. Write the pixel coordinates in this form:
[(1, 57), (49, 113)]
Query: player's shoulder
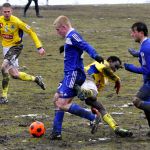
[(101, 66), (75, 35), (15, 19)]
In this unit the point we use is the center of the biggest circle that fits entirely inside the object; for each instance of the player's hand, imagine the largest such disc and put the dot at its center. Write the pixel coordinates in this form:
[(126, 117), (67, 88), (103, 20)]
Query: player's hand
[(61, 49), (133, 52), (99, 59), (41, 51), (117, 86), (127, 66)]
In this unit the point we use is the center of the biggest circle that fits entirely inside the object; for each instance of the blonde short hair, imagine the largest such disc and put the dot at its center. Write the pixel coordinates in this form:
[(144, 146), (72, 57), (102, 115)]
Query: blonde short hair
[(62, 20)]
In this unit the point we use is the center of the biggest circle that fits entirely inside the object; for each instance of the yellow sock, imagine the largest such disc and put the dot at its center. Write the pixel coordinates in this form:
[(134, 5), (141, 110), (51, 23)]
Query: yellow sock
[(110, 121), (5, 91), (5, 86), (26, 77)]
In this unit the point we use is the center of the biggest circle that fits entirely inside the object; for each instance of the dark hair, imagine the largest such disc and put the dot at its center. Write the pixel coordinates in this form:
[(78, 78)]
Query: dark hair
[(114, 58), (140, 26), (6, 5)]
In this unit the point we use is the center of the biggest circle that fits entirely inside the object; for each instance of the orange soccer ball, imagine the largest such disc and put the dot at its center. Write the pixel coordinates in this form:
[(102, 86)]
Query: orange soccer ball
[(37, 129)]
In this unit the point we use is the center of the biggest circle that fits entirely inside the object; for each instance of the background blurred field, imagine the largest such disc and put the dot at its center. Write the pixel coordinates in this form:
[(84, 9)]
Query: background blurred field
[(107, 28)]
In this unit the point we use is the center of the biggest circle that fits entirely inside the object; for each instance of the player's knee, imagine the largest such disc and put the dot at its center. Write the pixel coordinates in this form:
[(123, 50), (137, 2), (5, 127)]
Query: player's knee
[(137, 102), (14, 76), (62, 104)]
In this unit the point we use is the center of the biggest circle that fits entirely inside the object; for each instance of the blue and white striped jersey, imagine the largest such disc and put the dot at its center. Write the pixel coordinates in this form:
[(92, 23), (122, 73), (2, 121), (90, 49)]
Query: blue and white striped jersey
[(73, 51)]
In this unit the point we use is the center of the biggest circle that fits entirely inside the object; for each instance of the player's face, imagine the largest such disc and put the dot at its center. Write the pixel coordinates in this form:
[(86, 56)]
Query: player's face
[(61, 30), (115, 65), (136, 35), (7, 12)]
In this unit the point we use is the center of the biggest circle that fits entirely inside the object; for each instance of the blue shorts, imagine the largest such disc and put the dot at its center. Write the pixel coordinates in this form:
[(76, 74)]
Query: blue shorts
[(65, 88), (144, 92)]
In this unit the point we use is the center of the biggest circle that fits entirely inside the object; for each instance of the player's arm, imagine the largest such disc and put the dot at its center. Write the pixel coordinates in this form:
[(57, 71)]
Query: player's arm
[(133, 52), (83, 45), (110, 74), (144, 69), (33, 35)]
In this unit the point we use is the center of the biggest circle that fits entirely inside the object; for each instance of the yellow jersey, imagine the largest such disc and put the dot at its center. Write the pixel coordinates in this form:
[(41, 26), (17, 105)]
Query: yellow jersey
[(101, 73), (11, 32)]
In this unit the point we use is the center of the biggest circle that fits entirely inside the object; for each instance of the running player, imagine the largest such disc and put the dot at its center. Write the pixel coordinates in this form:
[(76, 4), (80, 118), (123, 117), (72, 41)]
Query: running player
[(11, 33)]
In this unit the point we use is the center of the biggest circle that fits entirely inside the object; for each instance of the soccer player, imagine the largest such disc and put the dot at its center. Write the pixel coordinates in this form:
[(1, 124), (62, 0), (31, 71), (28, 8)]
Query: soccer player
[(36, 8), (73, 74), (139, 33), (11, 33), (97, 76)]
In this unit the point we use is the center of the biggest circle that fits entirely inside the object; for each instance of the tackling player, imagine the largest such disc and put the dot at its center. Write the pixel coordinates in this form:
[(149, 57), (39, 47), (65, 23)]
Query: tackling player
[(11, 33), (97, 76)]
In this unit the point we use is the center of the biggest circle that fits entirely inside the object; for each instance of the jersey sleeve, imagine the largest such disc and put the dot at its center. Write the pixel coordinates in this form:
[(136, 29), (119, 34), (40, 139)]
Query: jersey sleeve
[(83, 45), (26, 28), (145, 64)]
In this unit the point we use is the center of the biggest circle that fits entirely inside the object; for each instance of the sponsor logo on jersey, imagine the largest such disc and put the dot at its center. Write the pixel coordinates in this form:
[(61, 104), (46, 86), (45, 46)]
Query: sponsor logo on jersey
[(12, 27), (7, 36)]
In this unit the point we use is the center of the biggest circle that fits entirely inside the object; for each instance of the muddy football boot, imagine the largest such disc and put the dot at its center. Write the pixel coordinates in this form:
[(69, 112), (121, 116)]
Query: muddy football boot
[(94, 124), (3, 100), (55, 136), (38, 80), (123, 132)]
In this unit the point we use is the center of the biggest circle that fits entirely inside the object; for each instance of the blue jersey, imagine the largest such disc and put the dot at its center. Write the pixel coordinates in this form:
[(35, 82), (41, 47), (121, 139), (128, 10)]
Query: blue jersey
[(144, 59), (73, 51)]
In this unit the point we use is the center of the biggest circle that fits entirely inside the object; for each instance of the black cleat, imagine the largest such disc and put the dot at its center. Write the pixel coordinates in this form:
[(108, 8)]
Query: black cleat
[(55, 136), (38, 80), (39, 16), (3, 100), (94, 124), (123, 132)]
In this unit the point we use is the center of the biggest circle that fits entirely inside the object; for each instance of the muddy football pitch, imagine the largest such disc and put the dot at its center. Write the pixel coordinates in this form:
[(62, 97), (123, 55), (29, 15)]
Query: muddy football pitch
[(107, 28)]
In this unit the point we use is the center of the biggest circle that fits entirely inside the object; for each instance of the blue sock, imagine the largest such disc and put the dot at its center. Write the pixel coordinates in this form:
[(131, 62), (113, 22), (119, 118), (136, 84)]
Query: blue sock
[(79, 111), (57, 123), (145, 105)]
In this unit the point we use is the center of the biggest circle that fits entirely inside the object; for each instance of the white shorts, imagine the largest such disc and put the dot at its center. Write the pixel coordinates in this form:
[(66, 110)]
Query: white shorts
[(89, 85), (14, 62)]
